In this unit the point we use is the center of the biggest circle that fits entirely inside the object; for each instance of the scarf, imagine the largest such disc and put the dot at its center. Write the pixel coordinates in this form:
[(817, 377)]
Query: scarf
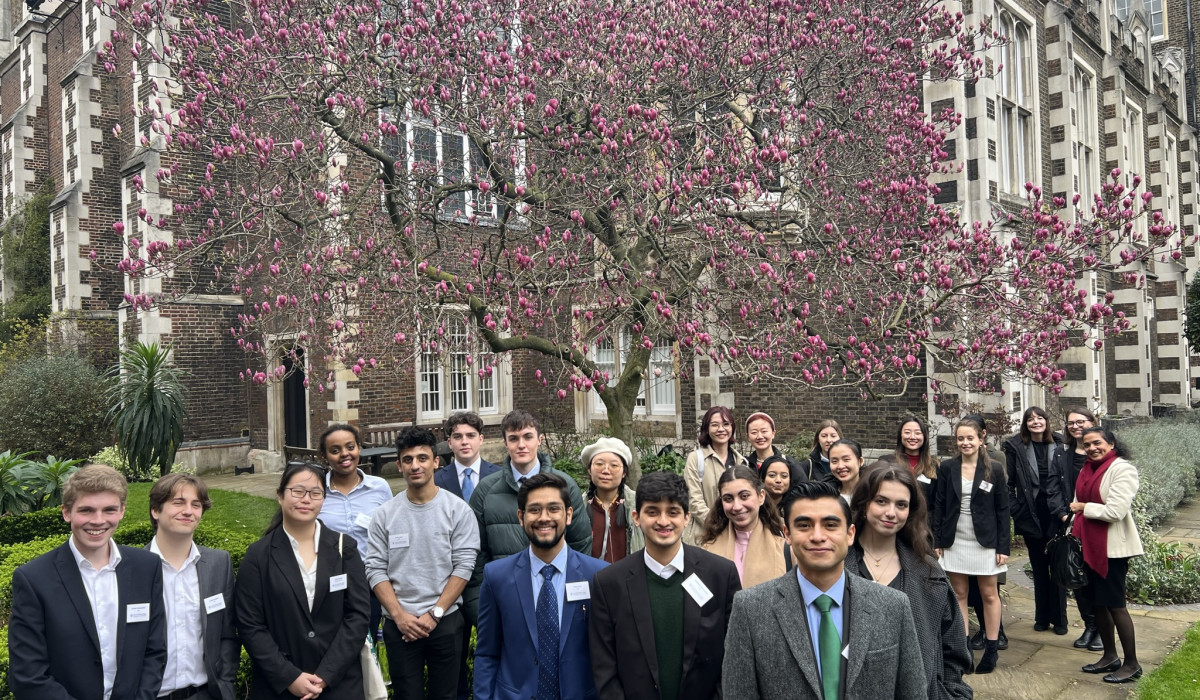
[(763, 558), (1093, 534)]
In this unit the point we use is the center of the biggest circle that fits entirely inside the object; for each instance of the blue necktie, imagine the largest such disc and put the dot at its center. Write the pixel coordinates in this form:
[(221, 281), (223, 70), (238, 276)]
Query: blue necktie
[(468, 488), (547, 631)]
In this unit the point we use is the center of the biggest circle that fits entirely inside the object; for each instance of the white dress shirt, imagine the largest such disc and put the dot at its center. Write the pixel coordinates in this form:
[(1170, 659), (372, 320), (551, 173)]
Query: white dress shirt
[(558, 580), (668, 570), (460, 467), (185, 633), (101, 587), (307, 574)]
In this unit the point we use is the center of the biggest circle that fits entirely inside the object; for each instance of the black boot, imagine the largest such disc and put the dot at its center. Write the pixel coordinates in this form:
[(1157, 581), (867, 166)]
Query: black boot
[(1002, 641), (970, 666), (990, 656), (1085, 639), (978, 639)]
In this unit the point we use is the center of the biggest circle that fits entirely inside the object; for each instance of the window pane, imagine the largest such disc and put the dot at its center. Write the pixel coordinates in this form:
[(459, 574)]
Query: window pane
[(459, 379), (452, 172), (431, 383), (486, 372), (606, 363), (662, 387)]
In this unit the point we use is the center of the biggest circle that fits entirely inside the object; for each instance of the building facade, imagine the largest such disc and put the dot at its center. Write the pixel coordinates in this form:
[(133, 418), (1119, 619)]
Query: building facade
[(1079, 88)]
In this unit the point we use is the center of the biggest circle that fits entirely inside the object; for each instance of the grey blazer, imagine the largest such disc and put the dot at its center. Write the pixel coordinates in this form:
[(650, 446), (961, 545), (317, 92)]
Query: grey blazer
[(769, 655), (222, 650)]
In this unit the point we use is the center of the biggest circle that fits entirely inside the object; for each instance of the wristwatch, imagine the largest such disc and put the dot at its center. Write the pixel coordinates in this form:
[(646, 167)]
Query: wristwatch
[(437, 613)]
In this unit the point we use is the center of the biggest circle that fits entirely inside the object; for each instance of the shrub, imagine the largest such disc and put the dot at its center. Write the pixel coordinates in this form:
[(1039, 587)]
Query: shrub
[(112, 457), (16, 529), (53, 405), (47, 480), (1167, 455)]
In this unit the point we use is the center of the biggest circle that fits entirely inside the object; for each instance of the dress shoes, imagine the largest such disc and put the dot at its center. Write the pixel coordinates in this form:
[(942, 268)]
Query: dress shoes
[(1112, 677), (1106, 668), (978, 639)]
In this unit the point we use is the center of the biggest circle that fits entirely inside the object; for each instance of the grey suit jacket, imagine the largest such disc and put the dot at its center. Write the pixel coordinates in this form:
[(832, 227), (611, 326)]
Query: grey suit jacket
[(222, 650), (769, 653)]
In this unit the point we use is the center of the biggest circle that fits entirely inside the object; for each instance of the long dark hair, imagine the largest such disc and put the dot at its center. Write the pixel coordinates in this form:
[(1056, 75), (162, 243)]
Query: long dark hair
[(1119, 447), (1026, 436), (926, 464), (717, 521), (915, 532), (290, 473), (1068, 440)]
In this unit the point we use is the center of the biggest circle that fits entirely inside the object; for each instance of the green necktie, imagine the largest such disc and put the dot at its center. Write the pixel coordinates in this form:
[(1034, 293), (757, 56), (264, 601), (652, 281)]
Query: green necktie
[(830, 649)]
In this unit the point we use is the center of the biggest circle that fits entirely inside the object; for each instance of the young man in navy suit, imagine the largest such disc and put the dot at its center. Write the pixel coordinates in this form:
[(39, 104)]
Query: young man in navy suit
[(533, 607), (464, 434), (87, 617)]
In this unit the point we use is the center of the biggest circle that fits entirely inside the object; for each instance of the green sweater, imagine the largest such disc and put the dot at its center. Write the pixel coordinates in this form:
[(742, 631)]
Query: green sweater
[(666, 612)]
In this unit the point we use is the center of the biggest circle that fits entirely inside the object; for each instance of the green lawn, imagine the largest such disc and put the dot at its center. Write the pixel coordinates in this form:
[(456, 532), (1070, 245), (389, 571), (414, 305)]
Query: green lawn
[(231, 510), (1179, 676)]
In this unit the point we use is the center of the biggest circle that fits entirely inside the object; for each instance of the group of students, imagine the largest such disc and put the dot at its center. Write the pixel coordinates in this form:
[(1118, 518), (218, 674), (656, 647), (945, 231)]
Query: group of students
[(621, 593)]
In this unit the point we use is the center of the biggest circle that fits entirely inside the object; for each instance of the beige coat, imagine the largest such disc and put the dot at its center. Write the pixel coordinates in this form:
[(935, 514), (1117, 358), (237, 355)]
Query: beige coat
[(702, 490), (1118, 486), (764, 554)]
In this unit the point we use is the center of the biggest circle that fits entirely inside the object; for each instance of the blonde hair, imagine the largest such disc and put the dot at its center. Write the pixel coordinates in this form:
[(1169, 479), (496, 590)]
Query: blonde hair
[(95, 478)]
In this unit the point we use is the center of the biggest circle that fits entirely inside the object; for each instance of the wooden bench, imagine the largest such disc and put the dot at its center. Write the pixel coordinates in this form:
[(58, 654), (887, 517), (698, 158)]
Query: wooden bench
[(383, 434)]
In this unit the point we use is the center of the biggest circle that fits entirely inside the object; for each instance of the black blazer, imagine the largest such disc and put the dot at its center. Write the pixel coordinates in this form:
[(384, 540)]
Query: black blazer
[(621, 633), (282, 637), (222, 650), (989, 509), (1025, 485), (447, 476), (53, 646), (1063, 474)]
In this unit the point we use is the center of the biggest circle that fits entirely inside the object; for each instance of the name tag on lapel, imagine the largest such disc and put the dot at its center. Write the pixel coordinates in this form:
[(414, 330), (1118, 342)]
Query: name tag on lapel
[(337, 583), (697, 590), (923, 479), (362, 520), (578, 590), (398, 541), (846, 652), (985, 486), (137, 612), (214, 603)]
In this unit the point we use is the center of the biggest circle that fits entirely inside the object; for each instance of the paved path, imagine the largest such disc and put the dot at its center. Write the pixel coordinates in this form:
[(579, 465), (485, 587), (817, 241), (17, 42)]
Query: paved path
[(1036, 665), (1044, 666)]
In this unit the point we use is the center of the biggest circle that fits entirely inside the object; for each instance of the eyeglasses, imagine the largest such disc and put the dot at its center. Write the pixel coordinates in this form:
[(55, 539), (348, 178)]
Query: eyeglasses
[(300, 492), (1080, 423), (554, 509)]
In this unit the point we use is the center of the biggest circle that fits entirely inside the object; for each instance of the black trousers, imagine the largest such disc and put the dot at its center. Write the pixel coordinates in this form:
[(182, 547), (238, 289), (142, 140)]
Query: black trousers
[(1049, 598), (438, 652)]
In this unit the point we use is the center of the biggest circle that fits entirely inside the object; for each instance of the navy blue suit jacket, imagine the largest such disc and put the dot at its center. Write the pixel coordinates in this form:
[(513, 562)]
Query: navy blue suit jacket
[(447, 476), (53, 646), (506, 643)]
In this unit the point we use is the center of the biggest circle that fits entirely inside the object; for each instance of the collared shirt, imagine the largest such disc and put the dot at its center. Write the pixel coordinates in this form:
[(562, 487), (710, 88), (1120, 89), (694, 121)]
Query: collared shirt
[(101, 587), (810, 592), (558, 580), (350, 513), (309, 574), (517, 476), (668, 570), (185, 634), (460, 467)]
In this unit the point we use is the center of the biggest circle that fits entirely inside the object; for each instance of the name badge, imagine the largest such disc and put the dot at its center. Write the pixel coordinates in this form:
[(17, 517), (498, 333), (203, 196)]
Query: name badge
[(578, 590), (362, 520), (846, 652), (398, 541), (985, 486), (214, 603), (337, 583), (697, 590), (923, 479), (137, 612)]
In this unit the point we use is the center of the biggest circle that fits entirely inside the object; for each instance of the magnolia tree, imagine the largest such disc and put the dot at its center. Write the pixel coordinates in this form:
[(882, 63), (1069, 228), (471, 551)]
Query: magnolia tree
[(745, 181)]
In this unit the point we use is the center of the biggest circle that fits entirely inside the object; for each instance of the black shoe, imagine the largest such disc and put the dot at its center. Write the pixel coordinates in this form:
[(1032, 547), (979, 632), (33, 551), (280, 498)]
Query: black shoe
[(1097, 644), (1060, 630), (988, 663), (1040, 627), (1106, 668), (1085, 639), (1002, 641), (1112, 677), (978, 639), (970, 666)]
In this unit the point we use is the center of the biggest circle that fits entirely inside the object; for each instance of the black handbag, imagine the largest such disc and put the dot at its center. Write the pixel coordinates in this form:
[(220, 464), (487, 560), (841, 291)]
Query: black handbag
[(1064, 551)]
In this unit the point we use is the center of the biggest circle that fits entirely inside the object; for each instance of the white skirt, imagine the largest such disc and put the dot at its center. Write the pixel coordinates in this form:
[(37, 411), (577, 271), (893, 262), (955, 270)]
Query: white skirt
[(967, 556)]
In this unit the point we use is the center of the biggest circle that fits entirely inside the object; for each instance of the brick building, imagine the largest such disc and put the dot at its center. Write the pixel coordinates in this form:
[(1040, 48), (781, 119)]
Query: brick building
[(1089, 85)]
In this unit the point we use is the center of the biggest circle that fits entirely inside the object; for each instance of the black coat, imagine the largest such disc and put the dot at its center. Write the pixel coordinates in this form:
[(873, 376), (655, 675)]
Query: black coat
[(1065, 473), (814, 468), (1025, 484), (280, 634), (989, 509)]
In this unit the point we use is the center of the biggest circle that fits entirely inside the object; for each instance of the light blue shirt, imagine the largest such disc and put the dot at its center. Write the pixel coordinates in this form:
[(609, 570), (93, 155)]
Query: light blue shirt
[(558, 580), (517, 476), (350, 513), (810, 593)]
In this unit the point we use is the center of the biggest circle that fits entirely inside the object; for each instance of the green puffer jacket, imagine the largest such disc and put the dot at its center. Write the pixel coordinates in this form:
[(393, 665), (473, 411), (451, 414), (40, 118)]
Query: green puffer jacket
[(500, 533)]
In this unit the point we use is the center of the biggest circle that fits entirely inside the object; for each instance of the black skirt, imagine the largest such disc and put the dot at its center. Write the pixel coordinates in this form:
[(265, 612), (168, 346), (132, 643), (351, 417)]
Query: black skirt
[(1107, 591)]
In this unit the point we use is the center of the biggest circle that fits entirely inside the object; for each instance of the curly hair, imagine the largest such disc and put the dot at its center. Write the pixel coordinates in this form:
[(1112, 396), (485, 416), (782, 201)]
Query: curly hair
[(717, 522)]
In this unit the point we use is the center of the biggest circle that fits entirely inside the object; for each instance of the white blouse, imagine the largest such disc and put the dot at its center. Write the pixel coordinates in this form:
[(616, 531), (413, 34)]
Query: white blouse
[(309, 574)]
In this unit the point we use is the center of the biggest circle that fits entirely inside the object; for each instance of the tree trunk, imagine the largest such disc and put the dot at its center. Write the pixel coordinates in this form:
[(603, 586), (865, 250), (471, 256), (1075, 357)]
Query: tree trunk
[(620, 400)]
